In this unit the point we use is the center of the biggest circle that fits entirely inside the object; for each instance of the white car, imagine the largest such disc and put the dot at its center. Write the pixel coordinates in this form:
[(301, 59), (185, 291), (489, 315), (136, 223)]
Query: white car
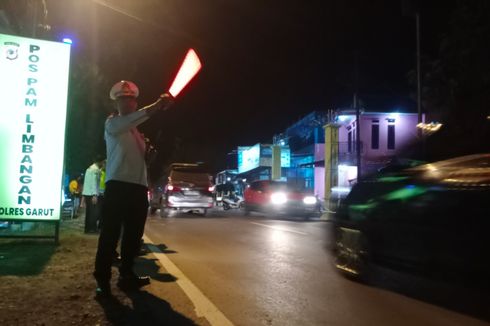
[(189, 189)]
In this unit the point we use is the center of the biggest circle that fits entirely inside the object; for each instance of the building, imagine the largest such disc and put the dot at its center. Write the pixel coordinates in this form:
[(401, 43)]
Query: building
[(378, 139), (383, 136), (306, 140), (256, 162)]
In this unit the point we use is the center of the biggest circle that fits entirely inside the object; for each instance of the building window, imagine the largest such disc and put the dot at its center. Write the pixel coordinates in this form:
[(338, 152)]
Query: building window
[(391, 136), (375, 134)]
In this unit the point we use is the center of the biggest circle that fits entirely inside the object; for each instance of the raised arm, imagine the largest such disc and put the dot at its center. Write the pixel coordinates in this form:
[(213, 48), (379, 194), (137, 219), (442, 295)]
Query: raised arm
[(118, 124)]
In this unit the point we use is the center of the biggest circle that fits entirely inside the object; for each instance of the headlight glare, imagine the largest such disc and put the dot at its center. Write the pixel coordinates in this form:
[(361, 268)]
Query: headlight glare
[(309, 200), (279, 198)]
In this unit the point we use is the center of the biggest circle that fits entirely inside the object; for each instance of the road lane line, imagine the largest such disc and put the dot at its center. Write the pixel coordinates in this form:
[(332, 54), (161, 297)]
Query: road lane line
[(279, 228), (203, 306)]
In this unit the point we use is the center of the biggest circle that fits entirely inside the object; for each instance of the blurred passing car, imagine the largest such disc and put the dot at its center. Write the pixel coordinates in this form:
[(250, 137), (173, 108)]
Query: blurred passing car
[(279, 197), (432, 220), (189, 188)]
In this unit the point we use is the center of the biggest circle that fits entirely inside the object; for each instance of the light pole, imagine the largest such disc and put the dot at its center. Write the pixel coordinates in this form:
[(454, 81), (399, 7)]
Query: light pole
[(411, 8), (419, 102)]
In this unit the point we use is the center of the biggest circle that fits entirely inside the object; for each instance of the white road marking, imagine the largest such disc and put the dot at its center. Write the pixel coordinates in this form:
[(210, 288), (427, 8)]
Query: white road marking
[(279, 228), (203, 306)]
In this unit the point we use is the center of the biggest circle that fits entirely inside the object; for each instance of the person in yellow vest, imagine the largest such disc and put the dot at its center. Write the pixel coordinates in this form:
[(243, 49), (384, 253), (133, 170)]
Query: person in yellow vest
[(75, 189)]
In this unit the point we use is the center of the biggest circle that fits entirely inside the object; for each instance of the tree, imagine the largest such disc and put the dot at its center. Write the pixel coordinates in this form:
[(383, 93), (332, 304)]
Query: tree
[(88, 107), (456, 84)]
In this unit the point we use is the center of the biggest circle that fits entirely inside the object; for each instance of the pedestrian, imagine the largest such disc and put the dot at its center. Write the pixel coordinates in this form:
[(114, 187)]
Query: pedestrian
[(100, 195), (90, 193), (75, 189), (125, 199)]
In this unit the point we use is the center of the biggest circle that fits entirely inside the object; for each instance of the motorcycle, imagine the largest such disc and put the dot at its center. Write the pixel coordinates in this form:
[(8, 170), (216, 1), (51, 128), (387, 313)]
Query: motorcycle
[(232, 202)]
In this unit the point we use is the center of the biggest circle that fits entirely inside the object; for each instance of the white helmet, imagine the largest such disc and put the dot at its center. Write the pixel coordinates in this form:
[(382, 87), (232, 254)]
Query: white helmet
[(124, 88)]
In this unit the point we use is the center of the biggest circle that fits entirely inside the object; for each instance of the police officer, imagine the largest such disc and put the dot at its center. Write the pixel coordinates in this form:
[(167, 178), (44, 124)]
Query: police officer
[(126, 201)]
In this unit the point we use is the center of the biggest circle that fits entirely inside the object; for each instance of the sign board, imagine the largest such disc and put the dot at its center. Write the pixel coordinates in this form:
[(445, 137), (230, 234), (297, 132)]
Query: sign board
[(248, 158), (285, 157), (252, 157), (33, 89), (266, 156)]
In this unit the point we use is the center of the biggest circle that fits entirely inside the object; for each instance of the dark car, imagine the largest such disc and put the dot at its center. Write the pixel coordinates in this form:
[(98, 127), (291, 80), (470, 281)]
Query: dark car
[(279, 197), (189, 189), (433, 220)]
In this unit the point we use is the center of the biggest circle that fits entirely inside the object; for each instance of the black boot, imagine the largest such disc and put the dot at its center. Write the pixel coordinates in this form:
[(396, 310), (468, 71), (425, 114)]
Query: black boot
[(131, 281)]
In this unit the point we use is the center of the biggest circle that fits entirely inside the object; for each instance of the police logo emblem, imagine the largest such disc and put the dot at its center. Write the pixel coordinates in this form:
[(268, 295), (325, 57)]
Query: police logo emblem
[(12, 50)]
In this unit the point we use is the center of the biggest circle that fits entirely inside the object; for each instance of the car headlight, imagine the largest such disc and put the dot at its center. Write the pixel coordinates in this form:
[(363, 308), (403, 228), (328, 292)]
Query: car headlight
[(279, 198), (309, 200)]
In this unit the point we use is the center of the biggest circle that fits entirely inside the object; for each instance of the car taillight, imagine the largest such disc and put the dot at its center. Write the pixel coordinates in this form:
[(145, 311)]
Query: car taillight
[(211, 189), (173, 188)]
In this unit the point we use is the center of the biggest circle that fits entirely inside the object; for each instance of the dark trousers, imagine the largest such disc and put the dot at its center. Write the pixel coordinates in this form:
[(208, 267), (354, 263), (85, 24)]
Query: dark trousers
[(100, 204), (90, 215), (125, 205)]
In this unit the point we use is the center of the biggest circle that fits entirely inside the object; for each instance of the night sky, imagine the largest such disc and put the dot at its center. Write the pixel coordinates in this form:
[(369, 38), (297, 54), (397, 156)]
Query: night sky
[(265, 63)]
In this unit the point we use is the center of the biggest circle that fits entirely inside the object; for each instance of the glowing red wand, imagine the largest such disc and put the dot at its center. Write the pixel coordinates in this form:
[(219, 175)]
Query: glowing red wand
[(189, 68)]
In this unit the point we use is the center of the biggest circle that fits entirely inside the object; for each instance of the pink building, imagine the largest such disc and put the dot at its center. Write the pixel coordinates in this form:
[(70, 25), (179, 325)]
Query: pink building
[(383, 136)]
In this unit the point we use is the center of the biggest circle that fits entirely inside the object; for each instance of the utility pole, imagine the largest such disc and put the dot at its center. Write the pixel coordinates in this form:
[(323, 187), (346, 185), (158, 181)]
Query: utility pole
[(419, 88), (358, 137), (419, 102), (411, 8)]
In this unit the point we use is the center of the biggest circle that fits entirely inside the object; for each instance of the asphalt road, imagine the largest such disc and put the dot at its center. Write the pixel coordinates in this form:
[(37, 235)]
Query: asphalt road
[(262, 270)]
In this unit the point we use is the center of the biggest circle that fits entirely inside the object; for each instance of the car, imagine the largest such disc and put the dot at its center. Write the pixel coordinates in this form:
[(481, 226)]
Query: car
[(432, 220), (155, 197), (189, 189), (279, 197)]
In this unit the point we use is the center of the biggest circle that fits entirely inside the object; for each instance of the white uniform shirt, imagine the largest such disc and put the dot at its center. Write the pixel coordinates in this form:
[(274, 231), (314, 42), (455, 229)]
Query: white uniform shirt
[(91, 181), (126, 148)]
